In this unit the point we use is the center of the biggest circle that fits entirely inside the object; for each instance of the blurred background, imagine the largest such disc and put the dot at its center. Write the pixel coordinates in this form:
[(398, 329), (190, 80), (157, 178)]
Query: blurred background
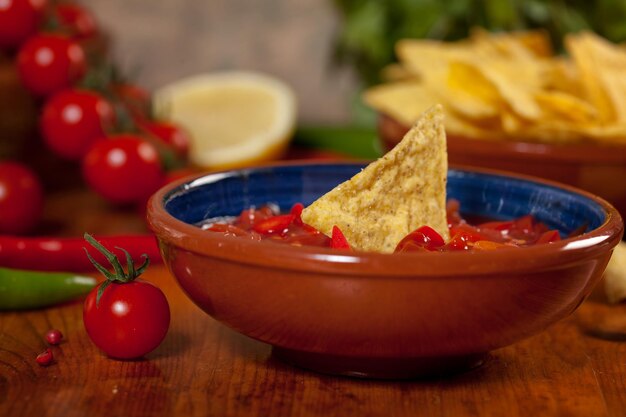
[(304, 41), (161, 41), (321, 56)]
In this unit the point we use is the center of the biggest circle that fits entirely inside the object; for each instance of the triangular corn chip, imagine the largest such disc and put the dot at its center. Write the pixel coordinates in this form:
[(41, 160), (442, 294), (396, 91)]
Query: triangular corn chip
[(601, 67), (393, 196)]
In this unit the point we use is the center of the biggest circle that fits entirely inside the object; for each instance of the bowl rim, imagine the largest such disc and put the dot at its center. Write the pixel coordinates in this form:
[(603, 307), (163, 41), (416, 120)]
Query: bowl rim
[(171, 231)]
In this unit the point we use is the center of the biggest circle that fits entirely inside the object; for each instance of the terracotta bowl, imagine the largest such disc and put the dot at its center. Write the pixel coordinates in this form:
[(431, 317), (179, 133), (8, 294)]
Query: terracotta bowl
[(381, 315), (595, 168)]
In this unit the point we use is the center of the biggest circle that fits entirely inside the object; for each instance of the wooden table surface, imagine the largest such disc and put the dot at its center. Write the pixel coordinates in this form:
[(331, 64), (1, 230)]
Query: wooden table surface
[(205, 369)]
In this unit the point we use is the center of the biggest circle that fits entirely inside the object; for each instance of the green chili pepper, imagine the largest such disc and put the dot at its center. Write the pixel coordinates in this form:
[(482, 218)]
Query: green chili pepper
[(21, 289)]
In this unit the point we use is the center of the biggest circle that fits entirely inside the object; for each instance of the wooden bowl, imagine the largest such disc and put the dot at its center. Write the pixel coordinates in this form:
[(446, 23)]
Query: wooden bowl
[(598, 169), (381, 315)]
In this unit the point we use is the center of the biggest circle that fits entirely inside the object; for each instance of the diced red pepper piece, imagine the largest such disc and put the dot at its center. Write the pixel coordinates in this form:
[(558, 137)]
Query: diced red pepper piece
[(470, 232), (460, 241), (249, 217), (338, 240), (524, 224), (310, 229), (296, 210), (549, 237), (425, 236), (274, 225), (504, 226)]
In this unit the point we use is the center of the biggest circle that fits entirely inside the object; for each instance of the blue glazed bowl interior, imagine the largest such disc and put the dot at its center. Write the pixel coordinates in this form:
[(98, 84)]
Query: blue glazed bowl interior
[(486, 195)]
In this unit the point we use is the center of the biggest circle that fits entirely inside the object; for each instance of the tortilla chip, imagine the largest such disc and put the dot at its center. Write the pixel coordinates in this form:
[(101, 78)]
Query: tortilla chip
[(469, 93), (558, 105), (615, 275), (405, 101), (601, 66), (525, 44), (393, 196), (561, 74)]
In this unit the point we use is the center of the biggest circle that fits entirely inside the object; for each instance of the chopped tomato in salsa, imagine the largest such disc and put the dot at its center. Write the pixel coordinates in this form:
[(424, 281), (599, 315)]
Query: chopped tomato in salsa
[(267, 223)]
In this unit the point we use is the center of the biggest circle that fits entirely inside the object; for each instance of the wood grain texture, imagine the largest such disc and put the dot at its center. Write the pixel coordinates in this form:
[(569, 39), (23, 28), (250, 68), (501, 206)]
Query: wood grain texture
[(203, 368)]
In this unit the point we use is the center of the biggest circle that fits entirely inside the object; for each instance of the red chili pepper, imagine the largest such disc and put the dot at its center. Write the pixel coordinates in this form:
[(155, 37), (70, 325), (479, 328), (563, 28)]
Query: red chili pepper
[(338, 240), (68, 253), (274, 225)]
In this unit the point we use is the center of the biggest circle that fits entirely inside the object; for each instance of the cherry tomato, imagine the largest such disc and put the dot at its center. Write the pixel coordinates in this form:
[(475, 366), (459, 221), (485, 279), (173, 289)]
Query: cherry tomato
[(170, 134), (77, 19), (123, 169), (21, 198), (73, 120), (19, 19), (50, 63), (130, 319)]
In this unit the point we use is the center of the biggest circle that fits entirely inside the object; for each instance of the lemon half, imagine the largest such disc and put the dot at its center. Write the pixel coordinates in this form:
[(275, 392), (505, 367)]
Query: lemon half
[(234, 118)]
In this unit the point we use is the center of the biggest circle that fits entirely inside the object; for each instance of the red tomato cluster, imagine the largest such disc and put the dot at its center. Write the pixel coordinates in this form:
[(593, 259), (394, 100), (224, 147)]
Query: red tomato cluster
[(101, 122)]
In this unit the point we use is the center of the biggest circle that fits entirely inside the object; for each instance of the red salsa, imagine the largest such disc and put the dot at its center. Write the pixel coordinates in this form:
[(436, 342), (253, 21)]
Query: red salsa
[(267, 223)]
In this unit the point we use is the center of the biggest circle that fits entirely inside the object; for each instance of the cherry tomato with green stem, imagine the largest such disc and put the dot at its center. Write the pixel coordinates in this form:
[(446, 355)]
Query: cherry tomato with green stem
[(123, 169), (21, 198), (72, 120), (48, 63), (19, 19), (124, 316)]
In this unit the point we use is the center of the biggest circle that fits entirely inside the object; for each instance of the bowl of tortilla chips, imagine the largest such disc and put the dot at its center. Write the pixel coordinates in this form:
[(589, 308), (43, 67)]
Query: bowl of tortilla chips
[(511, 103), (367, 311)]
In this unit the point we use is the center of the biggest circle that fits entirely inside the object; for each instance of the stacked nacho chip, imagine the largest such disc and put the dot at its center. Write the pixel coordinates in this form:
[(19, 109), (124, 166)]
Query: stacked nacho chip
[(511, 86)]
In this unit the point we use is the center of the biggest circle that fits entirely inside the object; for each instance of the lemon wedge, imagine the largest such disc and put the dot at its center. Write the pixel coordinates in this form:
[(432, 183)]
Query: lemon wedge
[(234, 118)]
